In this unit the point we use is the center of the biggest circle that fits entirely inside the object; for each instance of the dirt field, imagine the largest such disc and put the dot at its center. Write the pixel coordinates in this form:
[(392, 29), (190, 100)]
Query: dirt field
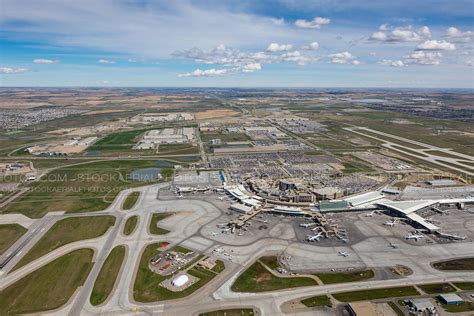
[(211, 114)]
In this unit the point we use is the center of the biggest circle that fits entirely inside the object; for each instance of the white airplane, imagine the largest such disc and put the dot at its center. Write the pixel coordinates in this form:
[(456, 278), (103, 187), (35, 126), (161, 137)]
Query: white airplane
[(393, 245), (212, 234), (306, 225), (314, 237), (371, 214), (391, 223), (343, 253), (180, 196), (221, 198), (416, 237)]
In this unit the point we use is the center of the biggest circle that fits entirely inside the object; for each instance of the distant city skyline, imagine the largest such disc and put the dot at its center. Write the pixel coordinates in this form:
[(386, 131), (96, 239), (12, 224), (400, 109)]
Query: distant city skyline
[(284, 43)]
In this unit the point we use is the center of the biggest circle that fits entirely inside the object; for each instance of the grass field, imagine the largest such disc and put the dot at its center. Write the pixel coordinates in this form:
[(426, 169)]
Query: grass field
[(120, 141), (460, 308), (155, 219), (367, 295), (225, 137), (270, 261), (466, 286), (219, 267), (131, 200), (355, 166), (49, 287), (66, 231), (331, 144), (330, 278), (230, 312), (182, 249), (48, 163), (178, 149), (107, 276), (316, 301), (10, 233), (82, 188), (455, 264), (130, 225), (436, 288), (258, 279), (147, 283)]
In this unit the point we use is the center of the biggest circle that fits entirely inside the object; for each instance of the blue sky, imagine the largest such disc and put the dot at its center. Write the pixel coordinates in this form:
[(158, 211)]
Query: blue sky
[(288, 43)]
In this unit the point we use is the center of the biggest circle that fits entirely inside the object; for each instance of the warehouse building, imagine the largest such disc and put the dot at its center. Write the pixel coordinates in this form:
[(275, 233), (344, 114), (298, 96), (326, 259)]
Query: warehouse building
[(451, 299), (362, 309)]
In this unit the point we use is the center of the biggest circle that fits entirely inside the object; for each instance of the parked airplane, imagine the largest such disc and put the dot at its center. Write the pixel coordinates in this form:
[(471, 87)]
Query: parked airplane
[(391, 223), (393, 245), (221, 198), (416, 237), (306, 225), (371, 214), (343, 253), (314, 237)]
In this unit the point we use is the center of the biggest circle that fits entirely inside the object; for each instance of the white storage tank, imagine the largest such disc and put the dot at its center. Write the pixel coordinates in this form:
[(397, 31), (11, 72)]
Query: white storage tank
[(180, 281)]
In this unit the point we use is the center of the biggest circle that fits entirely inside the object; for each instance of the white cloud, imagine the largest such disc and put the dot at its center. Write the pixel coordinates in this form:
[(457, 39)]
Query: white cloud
[(132, 60), (251, 67), (341, 58), (379, 36), (206, 73), (45, 61), (218, 72), (106, 61), (226, 56), (392, 63), (425, 31), (356, 62), (298, 58), (372, 53), (423, 58), (150, 31), (311, 46), (10, 70), (313, 24), (275, 47), (457, 36), (240, 61), (400, 34), (278, 22), (436, 45)]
